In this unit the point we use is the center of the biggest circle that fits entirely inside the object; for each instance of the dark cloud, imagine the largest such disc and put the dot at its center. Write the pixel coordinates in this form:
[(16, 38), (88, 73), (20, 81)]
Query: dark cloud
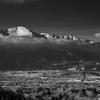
[(16, 1)]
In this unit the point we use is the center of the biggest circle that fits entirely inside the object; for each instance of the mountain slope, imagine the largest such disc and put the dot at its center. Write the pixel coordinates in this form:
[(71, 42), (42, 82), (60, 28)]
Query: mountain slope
[(31, 50)]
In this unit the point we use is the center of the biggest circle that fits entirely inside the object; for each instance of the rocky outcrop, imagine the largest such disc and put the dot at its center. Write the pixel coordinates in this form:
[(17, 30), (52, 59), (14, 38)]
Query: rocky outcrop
[(19, 31)]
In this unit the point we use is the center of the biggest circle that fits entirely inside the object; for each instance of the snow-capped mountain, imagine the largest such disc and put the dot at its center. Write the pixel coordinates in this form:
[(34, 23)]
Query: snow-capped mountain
[(21, 48), (16, 31), (21, 31), (54, 36)]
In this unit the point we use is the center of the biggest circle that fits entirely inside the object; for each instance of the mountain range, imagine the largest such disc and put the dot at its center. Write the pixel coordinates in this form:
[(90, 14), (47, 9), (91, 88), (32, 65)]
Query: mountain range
[(22, 49)]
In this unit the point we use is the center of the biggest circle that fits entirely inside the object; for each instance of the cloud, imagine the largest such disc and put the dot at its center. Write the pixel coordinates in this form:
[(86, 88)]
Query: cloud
[(16, 1), (97, 35)]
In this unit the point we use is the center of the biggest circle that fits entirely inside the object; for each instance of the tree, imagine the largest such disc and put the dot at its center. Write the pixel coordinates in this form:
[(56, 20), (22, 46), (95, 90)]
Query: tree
[(83, 68)]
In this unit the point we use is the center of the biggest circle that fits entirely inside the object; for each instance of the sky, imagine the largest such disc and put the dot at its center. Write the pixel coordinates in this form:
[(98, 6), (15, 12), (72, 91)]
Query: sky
[(74, 16)]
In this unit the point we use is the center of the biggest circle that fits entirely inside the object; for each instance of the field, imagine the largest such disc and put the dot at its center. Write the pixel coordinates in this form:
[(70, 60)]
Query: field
[(57, 81)]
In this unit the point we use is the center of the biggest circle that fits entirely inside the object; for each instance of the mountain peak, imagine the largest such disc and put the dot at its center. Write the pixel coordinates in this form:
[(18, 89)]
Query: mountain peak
[(16, 31), (19, 31)]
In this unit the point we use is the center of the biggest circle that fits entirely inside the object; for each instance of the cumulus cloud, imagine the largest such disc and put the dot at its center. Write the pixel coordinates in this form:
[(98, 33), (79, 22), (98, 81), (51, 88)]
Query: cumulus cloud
[(16, 1), (97, 35)]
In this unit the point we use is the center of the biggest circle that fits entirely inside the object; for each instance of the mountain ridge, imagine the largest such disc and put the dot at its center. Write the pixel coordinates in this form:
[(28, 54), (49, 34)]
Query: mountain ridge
[(21, 31), (31, 50)]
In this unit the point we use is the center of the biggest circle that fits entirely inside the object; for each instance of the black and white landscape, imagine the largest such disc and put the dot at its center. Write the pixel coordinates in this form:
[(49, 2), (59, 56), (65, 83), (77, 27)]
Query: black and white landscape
[(22, 49), (49, 50), (48, 61)]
